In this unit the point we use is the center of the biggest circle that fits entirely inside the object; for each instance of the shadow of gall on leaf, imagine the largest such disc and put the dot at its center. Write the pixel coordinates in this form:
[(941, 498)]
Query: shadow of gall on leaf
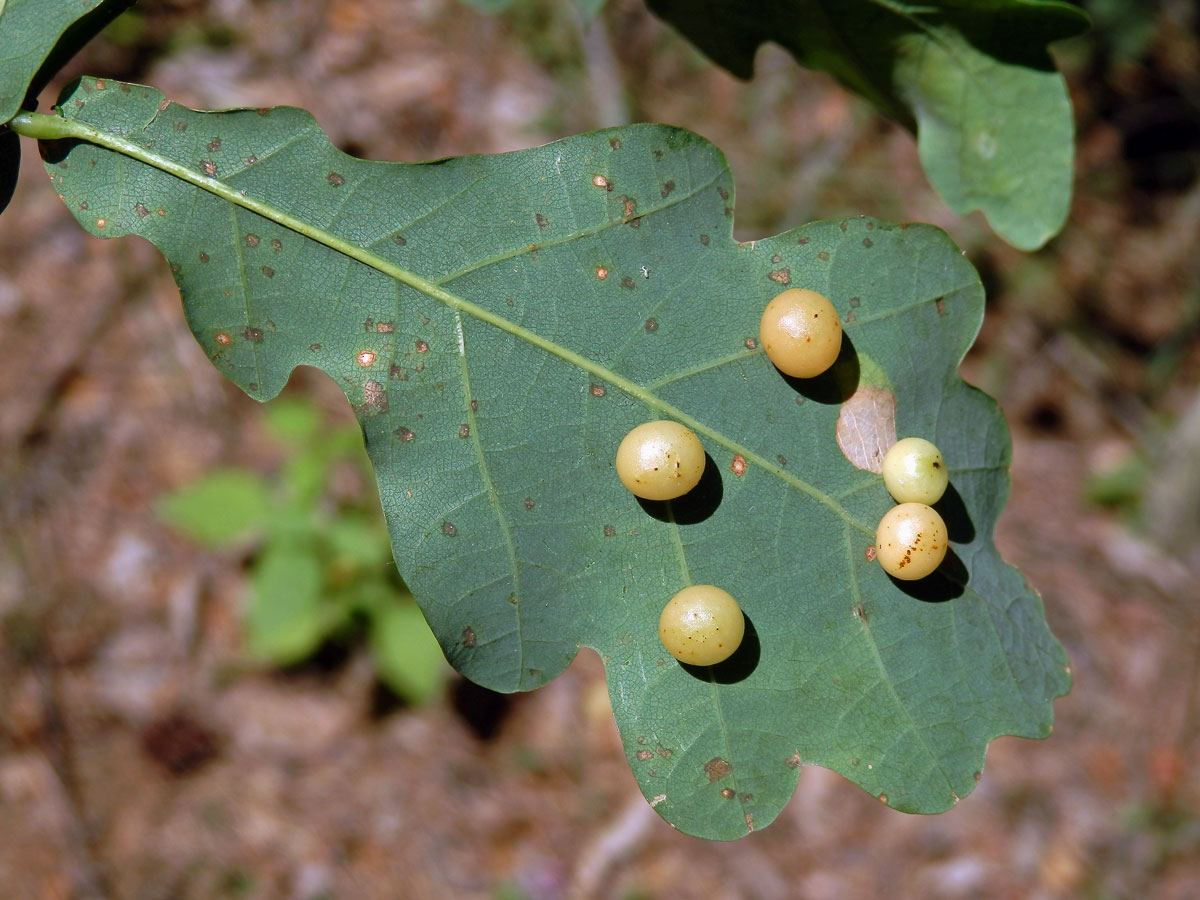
[(837, 383), (738, 667), (946, 582), (953, 511), (696, 505), (10, 165)]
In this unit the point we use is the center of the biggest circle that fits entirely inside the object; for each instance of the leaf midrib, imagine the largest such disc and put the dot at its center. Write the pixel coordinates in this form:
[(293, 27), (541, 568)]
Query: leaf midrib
[(57, 127)]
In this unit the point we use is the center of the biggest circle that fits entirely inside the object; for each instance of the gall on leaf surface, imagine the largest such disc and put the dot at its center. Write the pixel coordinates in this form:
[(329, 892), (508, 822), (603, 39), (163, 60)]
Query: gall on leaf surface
[(974, 80), (459, 306)]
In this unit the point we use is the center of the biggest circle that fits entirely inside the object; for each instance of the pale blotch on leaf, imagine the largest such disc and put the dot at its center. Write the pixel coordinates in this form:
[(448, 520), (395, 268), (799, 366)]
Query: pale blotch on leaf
[(866, 427), (366, 358)]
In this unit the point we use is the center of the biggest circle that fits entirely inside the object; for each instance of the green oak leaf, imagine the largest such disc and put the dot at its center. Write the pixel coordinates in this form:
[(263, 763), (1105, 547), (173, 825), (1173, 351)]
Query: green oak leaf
[(972, 77), (500, 322), (37, 37)]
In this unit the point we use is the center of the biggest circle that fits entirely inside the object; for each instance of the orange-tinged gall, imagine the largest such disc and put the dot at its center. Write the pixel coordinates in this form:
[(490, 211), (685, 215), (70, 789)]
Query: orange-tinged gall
[(702, 625), (660, 460), (800, 332), (914, 471), (911, 541)]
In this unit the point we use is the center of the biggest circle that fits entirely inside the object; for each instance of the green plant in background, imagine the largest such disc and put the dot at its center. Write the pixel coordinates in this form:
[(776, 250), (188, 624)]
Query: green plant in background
[(499, 323), (320, 566)]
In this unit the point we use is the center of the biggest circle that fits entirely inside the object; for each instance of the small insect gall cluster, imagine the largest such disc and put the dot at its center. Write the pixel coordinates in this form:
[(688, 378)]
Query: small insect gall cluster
[(912, 540), (662, 460)]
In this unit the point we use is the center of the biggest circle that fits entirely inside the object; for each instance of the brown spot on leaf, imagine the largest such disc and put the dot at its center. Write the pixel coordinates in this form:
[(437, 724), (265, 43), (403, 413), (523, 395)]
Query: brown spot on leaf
[(252, 240), (398, 372), (597, 390), (704, 239), (601, 272), (866, 427), (643, 755), (542, 221), (268, 271), (314, 347), (941, 306), (781, 276), (140, 209), (716, 769), (609, 531), (399, 241), (868, 243), (627, 283), (422, 347), (385, 327), (794, 761), (468, 637), (823, 255), (102, 223), (335, 179), (374, 397), (727, 793), (855, 302), (214, 145), (366, 358), (254, 335), (203, 257), (738, 465), (651, 324), (601, 182), (630, 205), (667, 188), (208, 167), (223, 338), (871, 553), (529, 503), (405, 434), (464, 431), (751, 343), (448, 529), (615, 144), (276, 244)]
